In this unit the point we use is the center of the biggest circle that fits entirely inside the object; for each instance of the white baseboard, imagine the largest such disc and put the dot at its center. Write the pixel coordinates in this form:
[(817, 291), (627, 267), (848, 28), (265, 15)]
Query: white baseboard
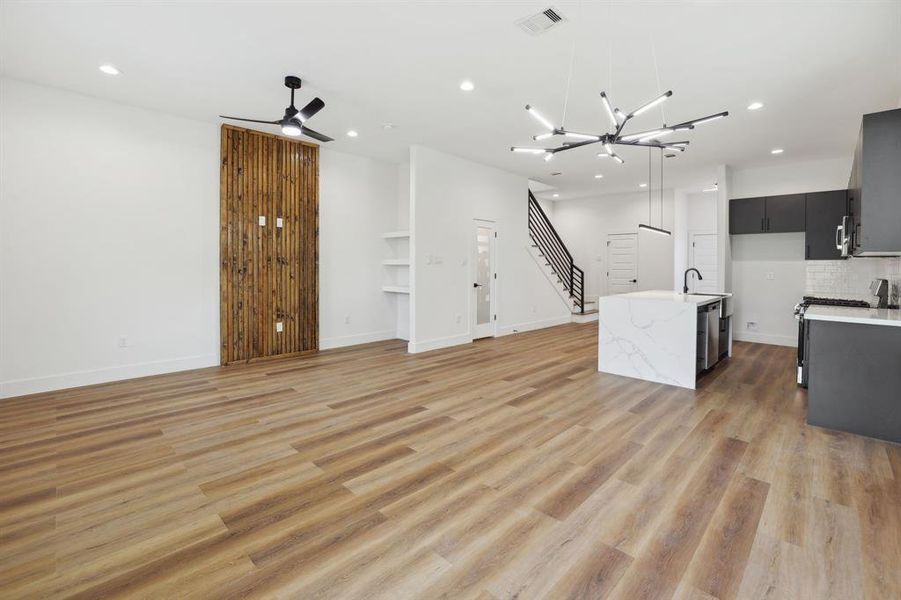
[(520, 327), (766, 338), (21, 387), (454, 340), (353, 340)]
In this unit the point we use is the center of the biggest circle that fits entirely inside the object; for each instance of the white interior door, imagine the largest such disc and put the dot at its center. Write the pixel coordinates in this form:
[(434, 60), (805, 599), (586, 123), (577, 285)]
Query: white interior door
[(703, 257), (484, 280), (622, 265)]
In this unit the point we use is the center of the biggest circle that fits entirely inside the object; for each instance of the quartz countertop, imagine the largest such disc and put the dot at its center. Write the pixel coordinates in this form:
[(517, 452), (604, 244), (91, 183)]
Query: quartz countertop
[(671, 296), (848, 314)]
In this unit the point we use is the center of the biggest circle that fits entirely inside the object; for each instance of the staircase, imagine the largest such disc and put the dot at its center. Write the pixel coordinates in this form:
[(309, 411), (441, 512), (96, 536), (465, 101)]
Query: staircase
[(558, 258)]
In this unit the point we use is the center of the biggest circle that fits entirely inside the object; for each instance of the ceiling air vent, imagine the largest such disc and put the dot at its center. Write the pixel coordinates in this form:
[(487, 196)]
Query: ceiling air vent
[(541, 22)]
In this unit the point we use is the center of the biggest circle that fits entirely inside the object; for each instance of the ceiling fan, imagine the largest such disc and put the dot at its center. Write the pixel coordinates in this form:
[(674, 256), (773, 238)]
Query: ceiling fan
[(293, 123)]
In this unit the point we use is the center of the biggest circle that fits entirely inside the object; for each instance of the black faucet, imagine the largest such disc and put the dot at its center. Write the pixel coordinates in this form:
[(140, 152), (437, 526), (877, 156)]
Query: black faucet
[(685, 279)]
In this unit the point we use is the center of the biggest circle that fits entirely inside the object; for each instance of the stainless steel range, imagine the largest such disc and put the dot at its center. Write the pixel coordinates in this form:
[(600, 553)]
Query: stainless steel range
[(808, 301)]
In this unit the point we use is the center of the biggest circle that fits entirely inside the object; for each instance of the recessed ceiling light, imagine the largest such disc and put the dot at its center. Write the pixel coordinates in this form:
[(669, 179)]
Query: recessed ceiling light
[(777, 151), (387, 126), (711, 189), (556, 195), (642, 185), (467, 86), (109, 69), (755, 106), (352, 133), (598, 176)]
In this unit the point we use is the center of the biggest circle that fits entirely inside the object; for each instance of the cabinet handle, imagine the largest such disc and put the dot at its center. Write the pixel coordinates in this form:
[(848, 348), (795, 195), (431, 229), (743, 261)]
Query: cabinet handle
[(807, 252), (762, 220), (767, 223)]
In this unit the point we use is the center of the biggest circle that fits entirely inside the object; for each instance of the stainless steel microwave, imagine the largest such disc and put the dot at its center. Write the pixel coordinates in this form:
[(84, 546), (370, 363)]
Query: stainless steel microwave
[(843, 236)]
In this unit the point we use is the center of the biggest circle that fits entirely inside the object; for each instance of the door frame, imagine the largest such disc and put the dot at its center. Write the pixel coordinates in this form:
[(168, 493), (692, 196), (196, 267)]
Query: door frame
[(607, 291), (491, 329)]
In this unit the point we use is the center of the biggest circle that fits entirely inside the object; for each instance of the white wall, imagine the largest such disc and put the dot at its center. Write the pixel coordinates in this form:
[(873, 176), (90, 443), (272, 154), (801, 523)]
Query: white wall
[(358, 200), (769, 302), (448, 193), (109, 219), (585, 223)]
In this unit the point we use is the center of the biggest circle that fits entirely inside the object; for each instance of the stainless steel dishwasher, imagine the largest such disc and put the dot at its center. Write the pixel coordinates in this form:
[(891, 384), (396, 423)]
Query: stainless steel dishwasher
[(708, 342)]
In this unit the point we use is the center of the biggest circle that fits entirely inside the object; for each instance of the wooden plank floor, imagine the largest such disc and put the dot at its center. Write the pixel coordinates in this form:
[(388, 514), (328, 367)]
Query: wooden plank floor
[(507, 468)]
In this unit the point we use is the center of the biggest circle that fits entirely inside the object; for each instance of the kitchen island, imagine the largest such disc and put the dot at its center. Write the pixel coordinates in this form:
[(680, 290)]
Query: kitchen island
[(659, 335)]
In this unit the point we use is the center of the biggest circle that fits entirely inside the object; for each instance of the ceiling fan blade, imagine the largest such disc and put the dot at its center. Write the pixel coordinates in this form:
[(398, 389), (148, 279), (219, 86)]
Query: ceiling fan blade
[(316, 135), (313, 107), (249, 120)]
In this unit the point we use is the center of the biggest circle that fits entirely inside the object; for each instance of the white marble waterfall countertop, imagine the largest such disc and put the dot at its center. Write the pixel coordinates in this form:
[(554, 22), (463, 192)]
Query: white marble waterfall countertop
[(651, 335), (668, 296), (850, 314)]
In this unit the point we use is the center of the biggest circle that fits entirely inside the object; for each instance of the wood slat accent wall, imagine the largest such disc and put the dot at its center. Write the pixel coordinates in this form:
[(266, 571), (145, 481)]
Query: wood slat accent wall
[(267, 273)]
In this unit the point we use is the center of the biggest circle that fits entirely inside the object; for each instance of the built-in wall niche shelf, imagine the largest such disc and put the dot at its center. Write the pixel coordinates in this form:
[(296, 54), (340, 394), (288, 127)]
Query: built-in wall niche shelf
[(397, 262), (396, 235), (395, 289)]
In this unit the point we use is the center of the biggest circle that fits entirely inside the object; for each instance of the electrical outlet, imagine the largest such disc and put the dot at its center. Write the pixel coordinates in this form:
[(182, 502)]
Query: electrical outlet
[(279, 327), (262, 220), (347, 319), (458, 318), (279, 222), (770, 275), (751, 325), (123, 341)]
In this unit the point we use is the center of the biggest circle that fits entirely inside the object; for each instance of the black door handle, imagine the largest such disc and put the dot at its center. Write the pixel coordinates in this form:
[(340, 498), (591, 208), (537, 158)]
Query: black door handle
[(634, 281), (477, 285)]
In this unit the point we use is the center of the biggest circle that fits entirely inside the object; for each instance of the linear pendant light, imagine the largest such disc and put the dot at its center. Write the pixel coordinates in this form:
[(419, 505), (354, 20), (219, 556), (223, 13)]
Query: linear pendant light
[(648, 226)]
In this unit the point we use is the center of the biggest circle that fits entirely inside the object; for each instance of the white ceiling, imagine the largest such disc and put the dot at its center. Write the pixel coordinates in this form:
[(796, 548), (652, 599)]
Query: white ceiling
[(816, 65)]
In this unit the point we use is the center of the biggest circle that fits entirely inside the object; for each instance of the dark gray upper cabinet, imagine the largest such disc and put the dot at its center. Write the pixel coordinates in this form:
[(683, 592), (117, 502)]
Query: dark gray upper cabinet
[(747, 215), (824, 213), (785, 214), (772, 214), (875, 185)]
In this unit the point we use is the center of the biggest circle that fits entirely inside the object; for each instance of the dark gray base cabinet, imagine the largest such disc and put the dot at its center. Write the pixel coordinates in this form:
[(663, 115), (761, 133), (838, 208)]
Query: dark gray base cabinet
[(855, 378)]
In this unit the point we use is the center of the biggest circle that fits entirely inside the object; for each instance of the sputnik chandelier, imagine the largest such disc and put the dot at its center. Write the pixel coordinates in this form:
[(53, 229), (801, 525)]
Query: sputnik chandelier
[(618, 120)]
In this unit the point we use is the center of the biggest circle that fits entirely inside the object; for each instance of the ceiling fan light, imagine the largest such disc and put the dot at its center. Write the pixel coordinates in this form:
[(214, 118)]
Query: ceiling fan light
[(603, 155), (617, 158), (620, 115), (609, 149), (292, 128), (539, 117), (548, 156), (542, 136), (652, 103)]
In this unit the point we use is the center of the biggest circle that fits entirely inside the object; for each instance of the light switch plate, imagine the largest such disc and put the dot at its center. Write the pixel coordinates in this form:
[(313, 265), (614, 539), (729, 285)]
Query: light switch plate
[(262, 220), (279, 327), (279, 222)]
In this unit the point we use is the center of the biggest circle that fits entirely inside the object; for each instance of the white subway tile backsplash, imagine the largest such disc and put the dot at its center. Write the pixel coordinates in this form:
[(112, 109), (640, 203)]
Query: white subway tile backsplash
[(851, 278)]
